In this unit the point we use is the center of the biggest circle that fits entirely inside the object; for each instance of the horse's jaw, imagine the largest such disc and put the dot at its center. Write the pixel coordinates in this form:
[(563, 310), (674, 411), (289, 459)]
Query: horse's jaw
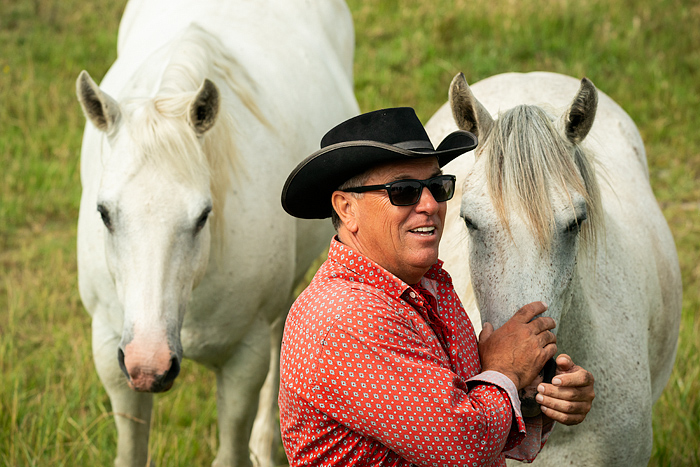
[(559, 302), (507, 276)]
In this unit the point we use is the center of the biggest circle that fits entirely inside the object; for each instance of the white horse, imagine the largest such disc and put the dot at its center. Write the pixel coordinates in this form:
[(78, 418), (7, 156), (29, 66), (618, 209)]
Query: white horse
[(542, 216), (183, 247)]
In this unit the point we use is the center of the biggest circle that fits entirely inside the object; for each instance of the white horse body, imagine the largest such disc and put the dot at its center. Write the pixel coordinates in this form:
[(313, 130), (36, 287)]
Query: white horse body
[(261, 82), (617, 304)]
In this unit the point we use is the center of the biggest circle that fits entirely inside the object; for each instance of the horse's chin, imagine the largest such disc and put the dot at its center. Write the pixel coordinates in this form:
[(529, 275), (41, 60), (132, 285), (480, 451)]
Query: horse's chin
[(152, 388), (528, 404)]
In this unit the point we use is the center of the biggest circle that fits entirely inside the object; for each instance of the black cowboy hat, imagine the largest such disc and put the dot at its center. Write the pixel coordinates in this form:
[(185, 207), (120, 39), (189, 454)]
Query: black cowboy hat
[(357, 145)]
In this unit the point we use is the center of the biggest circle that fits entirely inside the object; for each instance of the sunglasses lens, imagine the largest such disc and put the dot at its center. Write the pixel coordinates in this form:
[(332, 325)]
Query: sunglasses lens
[(405, 193), (442, 188)]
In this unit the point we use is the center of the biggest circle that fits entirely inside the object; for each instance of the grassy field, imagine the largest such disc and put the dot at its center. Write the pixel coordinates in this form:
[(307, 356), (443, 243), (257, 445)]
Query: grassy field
[(53, 410)]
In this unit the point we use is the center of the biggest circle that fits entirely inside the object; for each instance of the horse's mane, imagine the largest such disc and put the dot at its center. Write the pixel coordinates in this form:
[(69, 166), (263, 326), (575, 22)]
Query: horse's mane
[(161, 127), (527, 155)]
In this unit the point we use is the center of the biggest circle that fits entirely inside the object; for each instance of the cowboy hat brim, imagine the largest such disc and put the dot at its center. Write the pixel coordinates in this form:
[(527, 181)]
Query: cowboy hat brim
[(307, 192)]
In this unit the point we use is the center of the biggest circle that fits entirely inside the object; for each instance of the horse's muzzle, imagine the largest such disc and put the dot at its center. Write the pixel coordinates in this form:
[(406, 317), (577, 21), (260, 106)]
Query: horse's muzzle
[(145, 379)]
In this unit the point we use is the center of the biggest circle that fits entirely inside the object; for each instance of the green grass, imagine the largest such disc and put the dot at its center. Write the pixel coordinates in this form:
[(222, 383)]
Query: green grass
[(53, 410)]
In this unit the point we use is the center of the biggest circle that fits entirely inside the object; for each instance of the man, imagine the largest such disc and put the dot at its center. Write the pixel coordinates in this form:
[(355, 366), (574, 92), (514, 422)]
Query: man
[(380, 364)]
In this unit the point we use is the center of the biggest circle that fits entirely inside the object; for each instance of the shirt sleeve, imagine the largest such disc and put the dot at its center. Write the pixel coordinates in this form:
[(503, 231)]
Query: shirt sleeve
[(527, 435), (528, 445), (375, 375)]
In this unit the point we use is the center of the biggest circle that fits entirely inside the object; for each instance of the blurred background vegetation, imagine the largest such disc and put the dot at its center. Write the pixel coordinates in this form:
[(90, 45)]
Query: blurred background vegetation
[(645, 54)]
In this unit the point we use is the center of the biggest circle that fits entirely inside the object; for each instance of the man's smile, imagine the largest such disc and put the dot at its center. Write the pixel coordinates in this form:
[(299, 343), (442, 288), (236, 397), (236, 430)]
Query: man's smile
[(424, 230)]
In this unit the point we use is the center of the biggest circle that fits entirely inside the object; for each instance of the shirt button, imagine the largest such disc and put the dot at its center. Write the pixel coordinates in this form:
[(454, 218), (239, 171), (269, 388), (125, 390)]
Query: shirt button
[(413, 295)]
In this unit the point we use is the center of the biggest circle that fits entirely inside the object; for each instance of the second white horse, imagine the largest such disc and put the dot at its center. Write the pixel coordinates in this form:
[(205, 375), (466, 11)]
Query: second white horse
[(555, 205)]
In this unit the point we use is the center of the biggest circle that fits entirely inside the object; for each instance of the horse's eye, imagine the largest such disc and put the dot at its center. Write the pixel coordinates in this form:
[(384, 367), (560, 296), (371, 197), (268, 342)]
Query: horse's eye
[(104, 213), (202, 220), (468, 222), (575, 226)]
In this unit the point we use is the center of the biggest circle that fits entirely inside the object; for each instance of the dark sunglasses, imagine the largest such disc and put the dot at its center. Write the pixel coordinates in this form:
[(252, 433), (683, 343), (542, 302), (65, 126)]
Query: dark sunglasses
[(408, 192)]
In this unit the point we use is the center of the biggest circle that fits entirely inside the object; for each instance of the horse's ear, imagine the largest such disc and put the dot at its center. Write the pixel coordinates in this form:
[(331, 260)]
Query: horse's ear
[(98, 107), (469, 114), (204, 108), (578, 120)]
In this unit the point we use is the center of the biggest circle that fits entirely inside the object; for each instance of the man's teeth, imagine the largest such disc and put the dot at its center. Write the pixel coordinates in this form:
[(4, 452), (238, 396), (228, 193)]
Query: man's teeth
[(424, 229)]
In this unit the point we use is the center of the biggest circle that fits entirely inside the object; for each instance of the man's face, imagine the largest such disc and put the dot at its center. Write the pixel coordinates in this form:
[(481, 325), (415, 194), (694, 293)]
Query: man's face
[(402, 239)]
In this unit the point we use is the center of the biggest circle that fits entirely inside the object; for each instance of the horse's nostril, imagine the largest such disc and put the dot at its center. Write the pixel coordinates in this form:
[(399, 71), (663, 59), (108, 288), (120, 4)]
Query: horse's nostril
[(120, 357), (172, 372)]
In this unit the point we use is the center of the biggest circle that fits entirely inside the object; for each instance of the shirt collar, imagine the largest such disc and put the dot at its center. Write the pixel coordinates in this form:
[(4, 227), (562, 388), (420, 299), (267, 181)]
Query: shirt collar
[(369, 272)]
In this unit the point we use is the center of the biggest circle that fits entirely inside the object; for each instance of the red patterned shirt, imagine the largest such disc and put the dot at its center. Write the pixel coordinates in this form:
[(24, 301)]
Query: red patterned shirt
[(365, 380)]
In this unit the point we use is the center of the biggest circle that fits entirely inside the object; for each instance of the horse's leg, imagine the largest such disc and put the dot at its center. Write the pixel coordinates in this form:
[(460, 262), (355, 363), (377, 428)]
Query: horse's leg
[(238, 386), (266, 434), (132, 410)]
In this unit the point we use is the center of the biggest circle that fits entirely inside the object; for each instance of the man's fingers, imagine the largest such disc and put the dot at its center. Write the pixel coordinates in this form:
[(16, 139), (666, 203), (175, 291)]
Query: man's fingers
[(550, 350), (575, 377), (564, 405), (547, 338), (529, 311), (568, 406), (570, 396), (565, 393), (563, 411), (564, 364), (543, 323)]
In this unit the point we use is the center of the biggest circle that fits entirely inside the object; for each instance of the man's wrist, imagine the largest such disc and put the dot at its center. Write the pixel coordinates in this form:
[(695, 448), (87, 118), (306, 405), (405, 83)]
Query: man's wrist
[(508, 374)]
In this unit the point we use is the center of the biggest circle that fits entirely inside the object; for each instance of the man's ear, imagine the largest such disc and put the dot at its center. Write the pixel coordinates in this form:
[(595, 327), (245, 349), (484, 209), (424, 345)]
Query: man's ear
[(344, 205)]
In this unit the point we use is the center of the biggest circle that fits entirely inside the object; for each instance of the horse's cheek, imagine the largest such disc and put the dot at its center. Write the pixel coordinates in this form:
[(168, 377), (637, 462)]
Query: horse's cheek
[(484, 281)]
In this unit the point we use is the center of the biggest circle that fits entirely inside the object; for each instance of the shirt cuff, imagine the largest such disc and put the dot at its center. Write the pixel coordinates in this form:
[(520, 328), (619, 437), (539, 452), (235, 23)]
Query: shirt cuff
[(505, 383)]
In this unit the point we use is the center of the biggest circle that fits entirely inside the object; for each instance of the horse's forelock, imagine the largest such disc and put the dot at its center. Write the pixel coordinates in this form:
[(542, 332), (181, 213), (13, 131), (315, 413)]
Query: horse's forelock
[(526, 156), (160, 132), (160, 129)]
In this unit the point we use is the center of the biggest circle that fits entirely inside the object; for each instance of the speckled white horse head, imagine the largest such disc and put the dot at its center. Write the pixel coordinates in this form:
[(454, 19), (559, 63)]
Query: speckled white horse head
[(530, 201)]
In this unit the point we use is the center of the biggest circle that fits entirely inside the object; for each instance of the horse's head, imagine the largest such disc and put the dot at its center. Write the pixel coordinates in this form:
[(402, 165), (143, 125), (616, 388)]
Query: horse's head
[(154, 200), (529, 201)]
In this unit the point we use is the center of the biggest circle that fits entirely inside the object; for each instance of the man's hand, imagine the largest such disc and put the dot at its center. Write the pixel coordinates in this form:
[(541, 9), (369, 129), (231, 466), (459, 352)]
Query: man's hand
[(570, 396), (520, 348)]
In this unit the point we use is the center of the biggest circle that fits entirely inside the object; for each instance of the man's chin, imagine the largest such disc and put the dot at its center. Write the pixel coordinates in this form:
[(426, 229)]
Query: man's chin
[(425, 261)]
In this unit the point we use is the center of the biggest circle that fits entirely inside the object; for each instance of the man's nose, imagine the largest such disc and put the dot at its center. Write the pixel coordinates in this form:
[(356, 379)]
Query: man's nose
[(427, 202)]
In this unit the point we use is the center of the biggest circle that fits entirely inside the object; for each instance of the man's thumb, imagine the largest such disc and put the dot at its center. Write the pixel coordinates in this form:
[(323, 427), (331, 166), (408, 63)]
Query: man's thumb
[(486, 332), (564, 362)]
